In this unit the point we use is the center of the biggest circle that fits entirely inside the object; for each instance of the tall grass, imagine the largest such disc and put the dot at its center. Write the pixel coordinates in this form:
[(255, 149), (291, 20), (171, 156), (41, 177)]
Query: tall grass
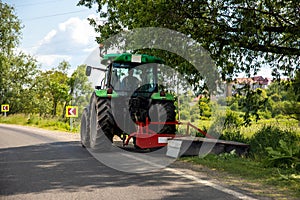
[(248, 132), (51, 123)]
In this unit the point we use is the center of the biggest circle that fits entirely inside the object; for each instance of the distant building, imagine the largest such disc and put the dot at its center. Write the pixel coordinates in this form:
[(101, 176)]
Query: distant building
[(230, 88), (254, 83), (260, 82)]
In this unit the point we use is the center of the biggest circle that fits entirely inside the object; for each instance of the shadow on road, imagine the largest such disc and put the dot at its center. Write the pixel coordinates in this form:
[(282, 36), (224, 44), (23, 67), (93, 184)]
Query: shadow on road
[(66, 166)]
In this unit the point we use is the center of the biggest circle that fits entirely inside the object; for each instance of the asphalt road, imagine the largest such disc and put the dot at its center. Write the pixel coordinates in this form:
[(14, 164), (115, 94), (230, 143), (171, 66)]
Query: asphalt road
[(39, 164)]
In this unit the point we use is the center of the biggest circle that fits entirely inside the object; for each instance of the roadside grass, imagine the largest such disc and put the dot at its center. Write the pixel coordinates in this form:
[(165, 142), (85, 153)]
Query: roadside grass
[(55, 123), (282, 123), (251, 171), (50, 123)]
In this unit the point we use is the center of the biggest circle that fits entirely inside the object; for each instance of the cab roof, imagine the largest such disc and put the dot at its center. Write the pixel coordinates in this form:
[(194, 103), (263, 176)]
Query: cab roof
[(130, 58)]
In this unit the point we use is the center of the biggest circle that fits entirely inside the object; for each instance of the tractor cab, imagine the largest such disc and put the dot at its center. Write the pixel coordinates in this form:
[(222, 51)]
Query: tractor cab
[(129, 74)]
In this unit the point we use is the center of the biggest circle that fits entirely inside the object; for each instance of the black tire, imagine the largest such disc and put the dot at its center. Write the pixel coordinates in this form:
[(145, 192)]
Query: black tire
[(101, 123), (85, 128), (163, 111)]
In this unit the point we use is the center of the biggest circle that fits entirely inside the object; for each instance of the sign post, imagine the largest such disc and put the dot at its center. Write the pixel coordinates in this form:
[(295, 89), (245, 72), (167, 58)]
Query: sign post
[(71, 112), (5, 108)]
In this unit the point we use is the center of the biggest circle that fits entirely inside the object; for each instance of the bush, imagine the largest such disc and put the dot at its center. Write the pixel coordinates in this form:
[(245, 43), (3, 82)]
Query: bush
[(204, 107), (280, 116), (265, 114), (194, 117), (233, 135), (234, 106), (232, 120), (184, 115), (269, 136), (285, 156), (206, 114), (204, 118), (277, 108)]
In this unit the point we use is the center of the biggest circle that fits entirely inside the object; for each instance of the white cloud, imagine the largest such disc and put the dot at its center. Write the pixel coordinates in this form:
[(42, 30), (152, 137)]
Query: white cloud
[(49, 36), (72, 40), (77, 29), (52, 60)]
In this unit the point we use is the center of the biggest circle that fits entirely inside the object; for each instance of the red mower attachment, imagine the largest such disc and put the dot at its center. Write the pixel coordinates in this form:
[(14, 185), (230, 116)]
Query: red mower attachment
[(146, 138)]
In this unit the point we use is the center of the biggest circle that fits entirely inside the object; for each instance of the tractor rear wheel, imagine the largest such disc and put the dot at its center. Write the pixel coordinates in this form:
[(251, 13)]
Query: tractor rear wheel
[(102, 124), (164, 111)]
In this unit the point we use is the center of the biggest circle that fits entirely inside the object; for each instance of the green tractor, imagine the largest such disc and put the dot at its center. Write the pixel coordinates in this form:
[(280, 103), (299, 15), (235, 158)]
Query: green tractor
[(128, 100)]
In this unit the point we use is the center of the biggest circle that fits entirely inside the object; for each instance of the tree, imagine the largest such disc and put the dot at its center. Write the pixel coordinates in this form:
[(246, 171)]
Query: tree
[(58, 86), (54, 89), (292, 108), (204, 107), (284, 97), (296, 84), (51, 89), (253, 102), (241, 35), (281, 90), (80, 88), (42, 97), (17, 69), (10, 30), (18, 82), (10, 33)]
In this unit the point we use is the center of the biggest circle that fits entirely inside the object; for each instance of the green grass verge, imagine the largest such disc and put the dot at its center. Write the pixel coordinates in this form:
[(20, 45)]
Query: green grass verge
[(283, 124), (251, 171), (50, 123)]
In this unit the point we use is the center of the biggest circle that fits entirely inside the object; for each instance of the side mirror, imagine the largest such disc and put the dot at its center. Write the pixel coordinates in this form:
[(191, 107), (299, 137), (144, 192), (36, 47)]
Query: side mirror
[(88, 70)]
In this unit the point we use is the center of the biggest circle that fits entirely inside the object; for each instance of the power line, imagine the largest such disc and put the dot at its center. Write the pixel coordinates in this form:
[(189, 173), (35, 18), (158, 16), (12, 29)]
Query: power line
[(37, 3), (64, 50), (54, 15)]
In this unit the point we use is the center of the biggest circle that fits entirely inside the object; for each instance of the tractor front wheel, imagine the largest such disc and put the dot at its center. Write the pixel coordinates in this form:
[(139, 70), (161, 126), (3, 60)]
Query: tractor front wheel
[(85, 129)]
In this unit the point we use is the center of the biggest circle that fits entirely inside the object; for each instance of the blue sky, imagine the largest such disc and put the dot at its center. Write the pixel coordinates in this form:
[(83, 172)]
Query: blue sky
[(55, 30)]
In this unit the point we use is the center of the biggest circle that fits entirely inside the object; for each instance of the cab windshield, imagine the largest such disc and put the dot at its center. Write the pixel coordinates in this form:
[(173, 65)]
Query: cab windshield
[(140, 78)]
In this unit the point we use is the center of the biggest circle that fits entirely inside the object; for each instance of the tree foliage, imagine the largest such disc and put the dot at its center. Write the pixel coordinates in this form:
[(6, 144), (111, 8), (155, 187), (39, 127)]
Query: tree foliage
[(10, 29), (55, 89), (241, 35), (18, 81), (296, 84), (25, 87), (284, 97), (252, 103), (17, 69)]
